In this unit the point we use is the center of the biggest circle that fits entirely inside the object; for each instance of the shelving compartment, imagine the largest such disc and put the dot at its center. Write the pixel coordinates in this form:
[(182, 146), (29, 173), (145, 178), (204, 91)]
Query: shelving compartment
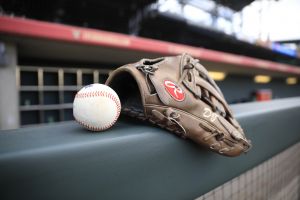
[(47, 93)]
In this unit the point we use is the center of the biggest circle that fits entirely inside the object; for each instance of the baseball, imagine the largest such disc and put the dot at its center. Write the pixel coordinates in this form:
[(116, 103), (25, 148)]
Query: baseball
[(96, 107)]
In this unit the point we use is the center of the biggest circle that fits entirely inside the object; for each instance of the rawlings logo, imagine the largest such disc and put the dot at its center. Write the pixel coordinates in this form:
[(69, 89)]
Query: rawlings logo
[(174, 90)]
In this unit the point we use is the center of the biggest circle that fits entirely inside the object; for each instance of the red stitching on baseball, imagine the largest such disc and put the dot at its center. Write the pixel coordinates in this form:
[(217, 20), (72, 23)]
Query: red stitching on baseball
[(99, 94)]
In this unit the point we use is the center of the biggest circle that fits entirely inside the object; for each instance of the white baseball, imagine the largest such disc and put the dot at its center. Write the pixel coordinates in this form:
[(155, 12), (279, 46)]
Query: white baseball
[(96, 107)]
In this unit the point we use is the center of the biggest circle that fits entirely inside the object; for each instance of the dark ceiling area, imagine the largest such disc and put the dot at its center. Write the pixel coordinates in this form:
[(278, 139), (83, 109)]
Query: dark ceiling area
[(112, 15), (236, 5), (133, 17)]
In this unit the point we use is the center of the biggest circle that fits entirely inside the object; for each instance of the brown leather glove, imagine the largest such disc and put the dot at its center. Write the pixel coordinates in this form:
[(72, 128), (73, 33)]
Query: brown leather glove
[(177, 94)]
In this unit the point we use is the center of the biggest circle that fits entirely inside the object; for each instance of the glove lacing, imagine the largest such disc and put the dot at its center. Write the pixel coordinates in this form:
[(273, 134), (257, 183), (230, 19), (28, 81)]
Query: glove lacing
[(189, 73), (172, 118)]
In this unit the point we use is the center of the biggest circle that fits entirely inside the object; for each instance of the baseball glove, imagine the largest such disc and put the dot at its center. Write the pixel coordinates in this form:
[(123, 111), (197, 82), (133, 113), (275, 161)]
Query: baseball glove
[(177, 93)]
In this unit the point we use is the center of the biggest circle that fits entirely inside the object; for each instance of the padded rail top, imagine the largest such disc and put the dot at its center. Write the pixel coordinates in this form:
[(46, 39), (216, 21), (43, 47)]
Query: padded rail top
[(135, 160)]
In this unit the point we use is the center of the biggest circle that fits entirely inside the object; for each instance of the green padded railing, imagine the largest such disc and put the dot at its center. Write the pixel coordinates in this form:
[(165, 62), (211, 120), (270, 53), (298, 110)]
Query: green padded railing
[(135, 160)]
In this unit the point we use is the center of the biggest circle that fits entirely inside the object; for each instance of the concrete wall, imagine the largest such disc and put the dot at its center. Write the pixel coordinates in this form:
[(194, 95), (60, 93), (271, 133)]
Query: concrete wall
[(9, 96)]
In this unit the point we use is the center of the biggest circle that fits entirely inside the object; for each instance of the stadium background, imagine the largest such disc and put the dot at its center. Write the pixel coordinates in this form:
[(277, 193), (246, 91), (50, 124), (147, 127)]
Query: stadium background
[(50, 49)]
